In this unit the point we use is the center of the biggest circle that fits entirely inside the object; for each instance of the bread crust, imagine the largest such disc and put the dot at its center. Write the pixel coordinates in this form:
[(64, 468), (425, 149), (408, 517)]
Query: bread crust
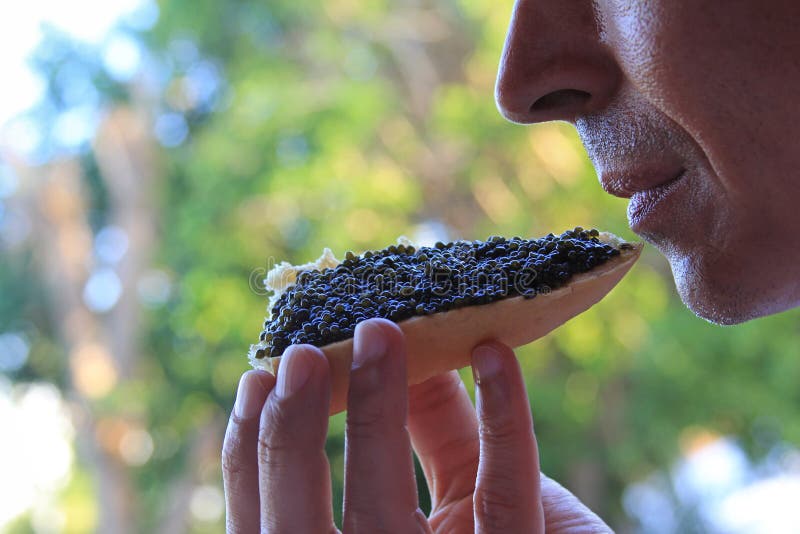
[(444, 341)]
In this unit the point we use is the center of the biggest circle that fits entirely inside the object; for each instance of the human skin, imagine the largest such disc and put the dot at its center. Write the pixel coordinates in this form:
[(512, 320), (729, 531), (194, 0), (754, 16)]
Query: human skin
[(481, 466), (690, 108)]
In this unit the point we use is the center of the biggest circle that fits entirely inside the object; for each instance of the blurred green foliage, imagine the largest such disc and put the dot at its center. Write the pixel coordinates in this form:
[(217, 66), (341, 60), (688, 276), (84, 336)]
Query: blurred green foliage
[(345, 124)]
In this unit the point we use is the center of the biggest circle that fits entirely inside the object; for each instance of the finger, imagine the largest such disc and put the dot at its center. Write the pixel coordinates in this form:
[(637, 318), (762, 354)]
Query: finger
[(380, 493), (294, 474), (564, 513), (240, 453), (444, 433), (507, 493)]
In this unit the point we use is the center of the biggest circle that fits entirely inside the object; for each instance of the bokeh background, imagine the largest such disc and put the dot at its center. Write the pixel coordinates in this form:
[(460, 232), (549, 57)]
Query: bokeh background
[(155, 157)]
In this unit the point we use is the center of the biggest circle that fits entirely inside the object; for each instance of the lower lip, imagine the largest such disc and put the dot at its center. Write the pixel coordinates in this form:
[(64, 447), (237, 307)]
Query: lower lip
[(647, 208)]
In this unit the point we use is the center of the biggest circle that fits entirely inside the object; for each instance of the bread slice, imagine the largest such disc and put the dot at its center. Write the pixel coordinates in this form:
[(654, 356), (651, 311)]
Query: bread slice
[(443, 341)]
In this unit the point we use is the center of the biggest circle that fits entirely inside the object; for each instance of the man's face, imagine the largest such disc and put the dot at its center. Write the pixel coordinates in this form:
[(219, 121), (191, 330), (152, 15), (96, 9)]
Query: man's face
[(689, 108)]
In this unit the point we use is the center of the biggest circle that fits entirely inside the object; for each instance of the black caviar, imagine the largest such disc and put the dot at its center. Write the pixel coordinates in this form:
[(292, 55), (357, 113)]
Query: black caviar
[(402, 281)]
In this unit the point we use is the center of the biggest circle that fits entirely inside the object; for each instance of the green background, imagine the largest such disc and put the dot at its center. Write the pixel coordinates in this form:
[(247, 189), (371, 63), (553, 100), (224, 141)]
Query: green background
[(343, 124)]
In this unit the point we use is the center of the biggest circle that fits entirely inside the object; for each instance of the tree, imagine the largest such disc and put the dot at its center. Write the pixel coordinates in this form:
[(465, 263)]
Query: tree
[(288, 126)]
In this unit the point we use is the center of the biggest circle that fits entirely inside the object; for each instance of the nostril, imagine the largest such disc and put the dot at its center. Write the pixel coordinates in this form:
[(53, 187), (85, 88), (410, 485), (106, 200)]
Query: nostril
[(561, 99)]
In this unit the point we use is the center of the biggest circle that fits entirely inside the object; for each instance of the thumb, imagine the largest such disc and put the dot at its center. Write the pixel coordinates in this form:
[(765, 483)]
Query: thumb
[(564, 513)]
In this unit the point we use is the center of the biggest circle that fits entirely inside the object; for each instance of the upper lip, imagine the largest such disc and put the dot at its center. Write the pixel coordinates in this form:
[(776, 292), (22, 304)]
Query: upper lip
[(628, 182)]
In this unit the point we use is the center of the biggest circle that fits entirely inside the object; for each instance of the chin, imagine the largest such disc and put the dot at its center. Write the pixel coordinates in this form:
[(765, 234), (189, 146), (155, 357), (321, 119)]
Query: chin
[(714, 308), (722, 297)]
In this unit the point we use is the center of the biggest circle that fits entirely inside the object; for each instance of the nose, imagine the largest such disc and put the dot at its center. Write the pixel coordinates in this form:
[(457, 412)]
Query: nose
[(554, 65)]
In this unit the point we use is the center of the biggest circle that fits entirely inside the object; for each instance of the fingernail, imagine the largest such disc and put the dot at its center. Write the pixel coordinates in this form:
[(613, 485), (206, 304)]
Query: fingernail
[(369, 344), (250, 396), (294, 370), (486, 363)]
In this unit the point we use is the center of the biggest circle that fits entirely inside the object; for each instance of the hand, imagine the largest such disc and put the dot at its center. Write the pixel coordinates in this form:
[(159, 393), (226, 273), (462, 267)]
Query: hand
[(482, 468)]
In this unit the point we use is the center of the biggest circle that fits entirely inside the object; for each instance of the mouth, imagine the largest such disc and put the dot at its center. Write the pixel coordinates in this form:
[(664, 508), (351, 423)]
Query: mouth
[(647, 205)]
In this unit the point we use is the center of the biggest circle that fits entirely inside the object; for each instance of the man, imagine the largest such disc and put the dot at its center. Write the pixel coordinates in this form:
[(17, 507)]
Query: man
[(686, 107)]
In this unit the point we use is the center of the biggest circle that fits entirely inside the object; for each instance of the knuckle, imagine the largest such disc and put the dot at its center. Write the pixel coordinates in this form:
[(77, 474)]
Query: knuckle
[(289, 428), (270, 446), (434, 393), (231, 463), (459, 456), (367, 421), (500, 430), (275, 435), (367, 385), (565, 512), (374, 412), (452, 448), (365, 516), (496, 508), (359, 514), (233, 456)]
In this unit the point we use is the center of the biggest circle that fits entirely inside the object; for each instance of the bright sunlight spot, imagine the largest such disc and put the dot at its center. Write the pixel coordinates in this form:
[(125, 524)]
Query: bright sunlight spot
[(90, 21), (36, 451)]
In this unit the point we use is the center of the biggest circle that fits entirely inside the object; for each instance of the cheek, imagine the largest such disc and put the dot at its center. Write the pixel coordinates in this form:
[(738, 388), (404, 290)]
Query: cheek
[(706, 67), (657, 49), (726, 74)]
